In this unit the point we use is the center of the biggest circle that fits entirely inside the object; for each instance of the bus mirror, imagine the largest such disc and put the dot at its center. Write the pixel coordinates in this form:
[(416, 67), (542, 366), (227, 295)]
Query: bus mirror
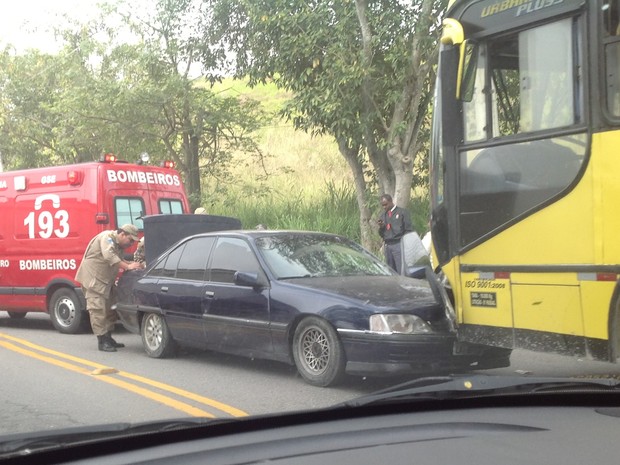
[(452, 33)]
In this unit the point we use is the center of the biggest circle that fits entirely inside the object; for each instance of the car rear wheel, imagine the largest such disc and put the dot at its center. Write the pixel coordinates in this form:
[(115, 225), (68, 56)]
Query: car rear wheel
[(317, 352), (156, 338), (66, 312)]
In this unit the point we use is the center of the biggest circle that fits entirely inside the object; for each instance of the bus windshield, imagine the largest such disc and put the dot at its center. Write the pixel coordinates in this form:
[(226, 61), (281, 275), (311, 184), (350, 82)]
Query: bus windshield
[(509, 163)]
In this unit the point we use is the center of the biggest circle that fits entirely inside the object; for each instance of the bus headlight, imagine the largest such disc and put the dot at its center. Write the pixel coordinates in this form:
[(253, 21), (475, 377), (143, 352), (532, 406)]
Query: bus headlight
[(398, 323)]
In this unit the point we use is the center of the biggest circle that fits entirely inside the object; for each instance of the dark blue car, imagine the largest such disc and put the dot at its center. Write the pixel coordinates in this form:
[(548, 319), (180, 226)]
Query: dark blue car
[(318, 301)]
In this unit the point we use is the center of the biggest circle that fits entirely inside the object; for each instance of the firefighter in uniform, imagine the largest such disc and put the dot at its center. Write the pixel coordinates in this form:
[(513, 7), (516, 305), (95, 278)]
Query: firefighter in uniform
[(97, 274)]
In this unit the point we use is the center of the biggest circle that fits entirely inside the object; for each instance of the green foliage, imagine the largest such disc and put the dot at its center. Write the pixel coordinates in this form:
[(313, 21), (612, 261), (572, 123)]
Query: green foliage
[(317, 51), (345, 72), (100, 96), (331, 208), (302, 183), (358, 71)]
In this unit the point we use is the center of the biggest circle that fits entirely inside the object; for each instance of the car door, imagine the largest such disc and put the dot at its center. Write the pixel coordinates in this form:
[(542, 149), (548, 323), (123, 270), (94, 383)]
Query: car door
[(181, 291), (237, 317)]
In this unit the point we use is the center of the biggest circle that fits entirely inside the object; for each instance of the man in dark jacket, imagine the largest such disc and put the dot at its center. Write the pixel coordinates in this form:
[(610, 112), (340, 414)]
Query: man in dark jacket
[(394, 223)]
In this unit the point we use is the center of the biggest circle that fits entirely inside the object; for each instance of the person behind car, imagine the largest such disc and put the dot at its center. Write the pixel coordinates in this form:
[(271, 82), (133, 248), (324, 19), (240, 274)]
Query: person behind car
[(97, 273), (139, 255), (394, 223)]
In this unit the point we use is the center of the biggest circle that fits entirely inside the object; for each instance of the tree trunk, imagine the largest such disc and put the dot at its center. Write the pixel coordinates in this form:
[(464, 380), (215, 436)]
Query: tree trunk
[(351, 155)]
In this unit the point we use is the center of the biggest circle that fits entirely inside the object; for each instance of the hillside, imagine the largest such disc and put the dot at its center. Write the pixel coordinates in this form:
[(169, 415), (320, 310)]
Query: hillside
[(301, 183), (294, 161)]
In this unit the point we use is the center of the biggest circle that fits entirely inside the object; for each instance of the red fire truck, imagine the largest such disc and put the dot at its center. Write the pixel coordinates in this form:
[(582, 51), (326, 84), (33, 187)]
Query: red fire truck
[(48, 216)]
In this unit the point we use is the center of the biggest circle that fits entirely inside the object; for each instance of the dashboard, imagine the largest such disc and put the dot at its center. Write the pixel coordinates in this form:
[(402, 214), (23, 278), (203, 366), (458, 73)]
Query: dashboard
[(442, 433)]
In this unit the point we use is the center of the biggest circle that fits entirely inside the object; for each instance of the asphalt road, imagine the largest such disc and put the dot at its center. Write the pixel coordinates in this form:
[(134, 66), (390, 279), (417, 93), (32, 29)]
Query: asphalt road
[(50, 380)]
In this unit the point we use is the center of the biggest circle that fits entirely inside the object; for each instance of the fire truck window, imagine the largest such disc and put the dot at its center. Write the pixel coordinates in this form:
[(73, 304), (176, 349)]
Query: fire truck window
[(170, 206), (129, 211)]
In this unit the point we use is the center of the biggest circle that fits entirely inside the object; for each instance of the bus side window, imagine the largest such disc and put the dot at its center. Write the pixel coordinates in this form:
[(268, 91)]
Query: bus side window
[(612, 84), (611, 17), (611, 36)]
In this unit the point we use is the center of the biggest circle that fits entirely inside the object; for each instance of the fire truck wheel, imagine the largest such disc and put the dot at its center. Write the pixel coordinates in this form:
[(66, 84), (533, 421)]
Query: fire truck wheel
[(17, 315), (156, 338), (65, 312)]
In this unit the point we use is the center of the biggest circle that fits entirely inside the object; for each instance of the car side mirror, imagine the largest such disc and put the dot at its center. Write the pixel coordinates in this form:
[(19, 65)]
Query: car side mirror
[(415, 257), (245, 278)]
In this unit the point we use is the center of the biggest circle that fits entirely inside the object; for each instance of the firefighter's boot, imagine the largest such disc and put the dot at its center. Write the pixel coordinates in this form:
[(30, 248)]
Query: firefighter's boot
[(105, 345), (116, 345)]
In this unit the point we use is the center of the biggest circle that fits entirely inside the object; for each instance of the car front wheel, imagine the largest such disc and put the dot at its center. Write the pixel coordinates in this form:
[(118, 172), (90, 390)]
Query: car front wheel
[(317, 352), (156, 338)]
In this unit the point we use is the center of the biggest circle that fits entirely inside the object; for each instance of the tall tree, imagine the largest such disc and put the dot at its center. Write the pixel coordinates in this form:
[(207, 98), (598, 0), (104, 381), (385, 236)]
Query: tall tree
[(29, 122), (125, 94), (161, 100), (361, 71)]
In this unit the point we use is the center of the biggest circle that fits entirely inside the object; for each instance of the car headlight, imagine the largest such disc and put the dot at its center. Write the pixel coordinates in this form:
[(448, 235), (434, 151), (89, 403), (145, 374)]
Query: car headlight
[(398, 323)]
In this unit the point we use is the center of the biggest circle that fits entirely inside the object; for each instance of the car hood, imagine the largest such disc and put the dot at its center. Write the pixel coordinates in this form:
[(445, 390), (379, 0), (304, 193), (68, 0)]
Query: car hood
[(393, 292)]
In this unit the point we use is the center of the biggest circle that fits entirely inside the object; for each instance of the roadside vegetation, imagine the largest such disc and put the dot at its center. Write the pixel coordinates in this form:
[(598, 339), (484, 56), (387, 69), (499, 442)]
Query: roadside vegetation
[(329, 109), (301, 182)]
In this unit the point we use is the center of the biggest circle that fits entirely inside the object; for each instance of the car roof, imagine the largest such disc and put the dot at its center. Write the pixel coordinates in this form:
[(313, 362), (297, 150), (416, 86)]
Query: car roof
[(254, 233)]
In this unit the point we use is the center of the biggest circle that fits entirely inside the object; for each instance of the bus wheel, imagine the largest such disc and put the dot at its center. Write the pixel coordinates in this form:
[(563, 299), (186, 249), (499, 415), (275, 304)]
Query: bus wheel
[(65, 312), (17, 315)]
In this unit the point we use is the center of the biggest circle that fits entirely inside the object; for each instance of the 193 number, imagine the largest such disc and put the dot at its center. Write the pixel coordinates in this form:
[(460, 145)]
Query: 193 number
[(45, 224)]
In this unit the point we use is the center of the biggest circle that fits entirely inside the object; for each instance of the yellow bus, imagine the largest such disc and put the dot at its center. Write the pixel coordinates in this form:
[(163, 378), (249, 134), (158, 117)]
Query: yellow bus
[(525, 173)]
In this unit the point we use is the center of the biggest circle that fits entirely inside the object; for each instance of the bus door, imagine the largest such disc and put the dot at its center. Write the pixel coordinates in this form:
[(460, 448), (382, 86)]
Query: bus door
[(514, 176)]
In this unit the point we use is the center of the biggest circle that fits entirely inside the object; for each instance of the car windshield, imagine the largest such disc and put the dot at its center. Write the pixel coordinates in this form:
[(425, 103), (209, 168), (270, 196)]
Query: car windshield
[(217, 212), (294, 256)]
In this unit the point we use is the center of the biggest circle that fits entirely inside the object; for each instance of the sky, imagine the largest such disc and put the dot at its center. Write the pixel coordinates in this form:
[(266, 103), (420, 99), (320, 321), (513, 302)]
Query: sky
[(26, 23)]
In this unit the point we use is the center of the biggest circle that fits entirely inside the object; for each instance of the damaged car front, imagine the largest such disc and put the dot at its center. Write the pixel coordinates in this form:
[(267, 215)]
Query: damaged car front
[(317, 301)]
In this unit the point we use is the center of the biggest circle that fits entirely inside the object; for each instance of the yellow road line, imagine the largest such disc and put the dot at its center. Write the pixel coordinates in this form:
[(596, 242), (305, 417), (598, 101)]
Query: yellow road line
[(111, 380), (190, 395), (26, 343), (185, 408)]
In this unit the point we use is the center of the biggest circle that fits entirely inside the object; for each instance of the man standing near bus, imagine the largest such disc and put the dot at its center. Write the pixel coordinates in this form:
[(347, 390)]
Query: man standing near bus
[(394, 223), (97, 273)]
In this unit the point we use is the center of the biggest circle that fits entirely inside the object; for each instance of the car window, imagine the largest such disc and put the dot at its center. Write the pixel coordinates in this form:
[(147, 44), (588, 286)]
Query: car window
[(168, 266), (193, 261), (229, 256)]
